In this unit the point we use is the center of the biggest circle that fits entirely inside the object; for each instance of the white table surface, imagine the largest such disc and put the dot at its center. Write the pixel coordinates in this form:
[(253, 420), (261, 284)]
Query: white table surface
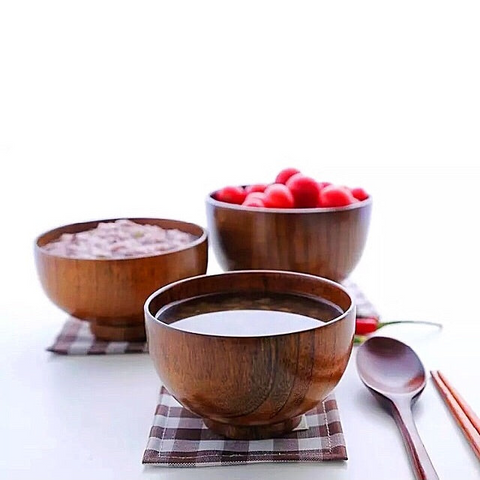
[(123, 109)]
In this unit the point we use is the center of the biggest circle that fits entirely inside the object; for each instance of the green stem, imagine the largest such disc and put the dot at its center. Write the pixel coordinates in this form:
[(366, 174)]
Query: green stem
[(359, 339), (423, 322)]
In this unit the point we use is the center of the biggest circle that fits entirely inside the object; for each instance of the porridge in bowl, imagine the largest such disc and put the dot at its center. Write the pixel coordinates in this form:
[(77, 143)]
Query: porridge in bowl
[(119, 239)]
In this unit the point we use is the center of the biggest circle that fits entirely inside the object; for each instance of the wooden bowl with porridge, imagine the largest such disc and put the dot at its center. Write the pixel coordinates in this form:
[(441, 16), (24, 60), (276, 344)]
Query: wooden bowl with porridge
[(103, 271)]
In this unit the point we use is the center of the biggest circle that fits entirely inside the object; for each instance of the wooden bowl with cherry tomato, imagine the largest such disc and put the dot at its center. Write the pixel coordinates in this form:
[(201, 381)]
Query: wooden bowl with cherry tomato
[(296, 224)]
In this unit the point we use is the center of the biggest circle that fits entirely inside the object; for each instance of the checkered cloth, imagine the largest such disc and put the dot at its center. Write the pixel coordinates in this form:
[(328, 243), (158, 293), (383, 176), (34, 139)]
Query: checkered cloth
[(76, 338), (179, 438)]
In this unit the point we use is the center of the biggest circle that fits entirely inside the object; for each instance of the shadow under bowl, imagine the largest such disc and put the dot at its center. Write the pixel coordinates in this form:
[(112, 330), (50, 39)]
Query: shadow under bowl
[(327, 242), (110, 293), (250, 386)]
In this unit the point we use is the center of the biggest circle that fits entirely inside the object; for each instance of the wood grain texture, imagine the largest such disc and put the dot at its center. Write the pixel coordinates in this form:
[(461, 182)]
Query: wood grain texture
[(422, 465), (394, 374), (110, 293), (465, 417), (255, 382), (324, 242)]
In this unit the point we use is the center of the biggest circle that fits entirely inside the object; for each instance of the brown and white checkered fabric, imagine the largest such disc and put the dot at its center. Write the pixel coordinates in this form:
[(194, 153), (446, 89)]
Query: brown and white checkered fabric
[(76, 338), (363, 304), (179, 438)]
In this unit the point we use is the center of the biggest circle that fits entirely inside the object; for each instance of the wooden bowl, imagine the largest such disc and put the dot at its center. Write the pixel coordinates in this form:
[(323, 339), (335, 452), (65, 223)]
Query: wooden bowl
[(328, 242), (110, 293), (251, 387)]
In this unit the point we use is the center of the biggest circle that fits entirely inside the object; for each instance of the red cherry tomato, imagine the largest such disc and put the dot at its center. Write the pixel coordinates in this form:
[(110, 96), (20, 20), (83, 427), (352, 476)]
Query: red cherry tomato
[(285, 174), (359, 193), (335, 196), (278, 196), (321, 186), (231, 195), (305, 190), (253, 202), (259, 187), (258, 195)]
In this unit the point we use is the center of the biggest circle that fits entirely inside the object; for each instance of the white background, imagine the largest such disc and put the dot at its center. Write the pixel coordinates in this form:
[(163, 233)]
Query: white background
[(125, 108)]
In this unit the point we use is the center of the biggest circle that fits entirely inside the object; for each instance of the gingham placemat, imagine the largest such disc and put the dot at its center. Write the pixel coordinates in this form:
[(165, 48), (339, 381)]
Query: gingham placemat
[(75, 337), (179, 438), (365, 308)]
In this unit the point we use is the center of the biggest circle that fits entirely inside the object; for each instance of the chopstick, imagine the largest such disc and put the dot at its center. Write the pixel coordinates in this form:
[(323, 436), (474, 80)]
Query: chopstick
[(464, 415)]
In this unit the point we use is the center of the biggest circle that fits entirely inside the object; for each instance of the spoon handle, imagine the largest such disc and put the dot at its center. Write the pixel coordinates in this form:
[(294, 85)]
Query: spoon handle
[(420, 460)]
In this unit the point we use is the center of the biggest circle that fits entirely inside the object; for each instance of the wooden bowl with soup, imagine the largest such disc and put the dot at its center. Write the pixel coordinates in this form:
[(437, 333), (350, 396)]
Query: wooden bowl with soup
[(250, 351), (103, 271)]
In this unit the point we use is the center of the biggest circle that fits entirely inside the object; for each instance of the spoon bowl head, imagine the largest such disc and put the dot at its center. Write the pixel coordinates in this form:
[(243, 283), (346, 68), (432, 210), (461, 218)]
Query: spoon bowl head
[(389, 367)]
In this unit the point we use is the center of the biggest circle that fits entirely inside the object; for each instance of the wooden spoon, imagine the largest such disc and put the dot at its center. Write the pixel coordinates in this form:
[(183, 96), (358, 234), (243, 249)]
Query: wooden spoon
[(395, 375)]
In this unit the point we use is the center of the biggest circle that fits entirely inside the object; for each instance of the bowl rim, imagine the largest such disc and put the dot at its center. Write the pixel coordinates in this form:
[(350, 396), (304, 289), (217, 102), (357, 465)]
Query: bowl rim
[(346, 313), (217, 203), (201, 239)]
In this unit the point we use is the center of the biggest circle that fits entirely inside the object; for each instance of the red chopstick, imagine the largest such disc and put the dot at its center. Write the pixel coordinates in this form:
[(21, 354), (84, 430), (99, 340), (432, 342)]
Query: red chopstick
[(464, 415)]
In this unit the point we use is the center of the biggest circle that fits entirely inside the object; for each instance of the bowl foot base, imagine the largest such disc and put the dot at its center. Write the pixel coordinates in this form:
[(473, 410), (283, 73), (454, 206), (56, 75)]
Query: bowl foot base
[(256, 432), (118, 333)]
